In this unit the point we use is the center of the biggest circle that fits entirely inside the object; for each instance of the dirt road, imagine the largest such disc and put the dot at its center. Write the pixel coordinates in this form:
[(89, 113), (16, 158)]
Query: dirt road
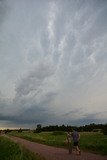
[(53, 153)]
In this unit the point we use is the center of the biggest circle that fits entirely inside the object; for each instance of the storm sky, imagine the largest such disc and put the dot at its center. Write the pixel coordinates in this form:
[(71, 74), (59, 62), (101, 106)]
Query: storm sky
[(53, 62)]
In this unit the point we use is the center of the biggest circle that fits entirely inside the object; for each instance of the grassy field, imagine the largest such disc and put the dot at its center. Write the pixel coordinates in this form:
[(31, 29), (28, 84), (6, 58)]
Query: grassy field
[(90, 141), (12, 151), (94, 142)]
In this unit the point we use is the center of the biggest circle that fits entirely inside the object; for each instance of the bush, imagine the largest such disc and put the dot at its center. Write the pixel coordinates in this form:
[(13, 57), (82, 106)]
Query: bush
[(105, 130), (20, 130)]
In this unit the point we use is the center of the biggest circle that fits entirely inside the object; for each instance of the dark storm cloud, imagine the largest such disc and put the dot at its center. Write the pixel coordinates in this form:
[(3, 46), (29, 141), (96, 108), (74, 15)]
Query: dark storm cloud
[(86, 119), (32, 115)]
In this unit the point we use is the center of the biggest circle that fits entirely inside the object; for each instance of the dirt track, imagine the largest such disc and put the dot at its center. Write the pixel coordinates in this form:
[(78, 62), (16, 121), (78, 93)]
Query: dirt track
[(53, 153)]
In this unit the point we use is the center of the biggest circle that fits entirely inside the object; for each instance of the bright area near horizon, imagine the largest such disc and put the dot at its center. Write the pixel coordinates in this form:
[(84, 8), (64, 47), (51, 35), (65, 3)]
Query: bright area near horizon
[(53, 62)]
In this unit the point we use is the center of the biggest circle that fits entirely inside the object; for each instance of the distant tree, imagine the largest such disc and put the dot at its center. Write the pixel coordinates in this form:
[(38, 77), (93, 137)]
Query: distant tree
[(20, 130), (39, 128)]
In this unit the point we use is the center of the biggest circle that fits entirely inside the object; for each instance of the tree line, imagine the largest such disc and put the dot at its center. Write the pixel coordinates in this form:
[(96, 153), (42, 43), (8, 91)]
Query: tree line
[(86, 128)]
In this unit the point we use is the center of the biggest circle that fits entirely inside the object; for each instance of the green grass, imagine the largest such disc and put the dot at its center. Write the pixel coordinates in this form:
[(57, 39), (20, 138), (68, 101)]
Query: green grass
[(49, 138), (12, 151), (90, 141), (94, 142)]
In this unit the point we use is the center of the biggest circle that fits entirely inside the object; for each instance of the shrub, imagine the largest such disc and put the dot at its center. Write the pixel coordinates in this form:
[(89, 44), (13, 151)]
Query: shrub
[(105, 130), (20, 130)]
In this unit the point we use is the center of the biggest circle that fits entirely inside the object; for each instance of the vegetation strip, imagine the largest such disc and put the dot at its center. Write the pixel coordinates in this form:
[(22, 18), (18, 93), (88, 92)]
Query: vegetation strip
[(10, 150)]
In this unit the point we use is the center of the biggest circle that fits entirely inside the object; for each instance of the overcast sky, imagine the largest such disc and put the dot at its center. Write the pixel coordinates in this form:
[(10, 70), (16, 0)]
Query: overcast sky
[(53, 62)]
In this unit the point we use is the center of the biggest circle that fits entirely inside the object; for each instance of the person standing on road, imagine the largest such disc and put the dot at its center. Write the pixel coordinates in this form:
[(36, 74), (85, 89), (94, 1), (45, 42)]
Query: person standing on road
[(76, 137), (69, 142)]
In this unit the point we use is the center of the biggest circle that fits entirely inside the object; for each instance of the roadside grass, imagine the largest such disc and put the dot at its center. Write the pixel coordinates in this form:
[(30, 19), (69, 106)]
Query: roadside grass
[(90, 141), (94, 142), (10, 150), (48, 138)]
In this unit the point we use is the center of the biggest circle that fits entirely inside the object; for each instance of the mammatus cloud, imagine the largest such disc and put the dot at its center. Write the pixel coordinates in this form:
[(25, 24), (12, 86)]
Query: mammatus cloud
[(53, 62)]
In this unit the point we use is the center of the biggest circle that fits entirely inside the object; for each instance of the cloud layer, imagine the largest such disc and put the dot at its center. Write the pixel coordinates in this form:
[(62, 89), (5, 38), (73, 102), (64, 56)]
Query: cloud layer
[(53, 62)]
